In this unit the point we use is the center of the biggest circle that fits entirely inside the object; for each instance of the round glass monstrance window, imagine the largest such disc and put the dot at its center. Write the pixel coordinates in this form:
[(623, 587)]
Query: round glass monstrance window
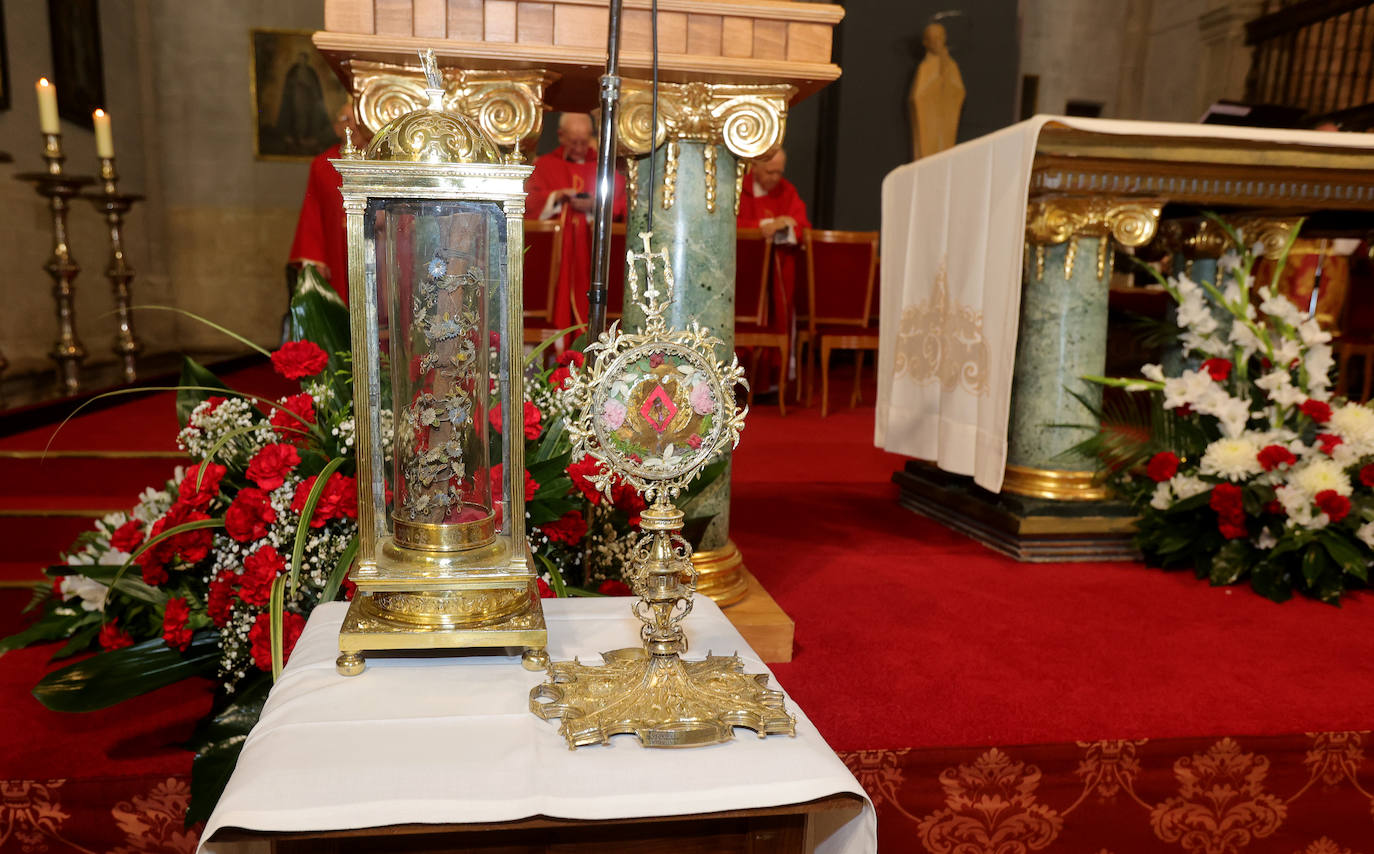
[(659, 409)]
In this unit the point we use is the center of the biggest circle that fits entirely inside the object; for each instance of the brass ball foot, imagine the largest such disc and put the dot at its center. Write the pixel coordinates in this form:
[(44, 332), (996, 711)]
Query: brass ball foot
[(350, 663), (535, 659)]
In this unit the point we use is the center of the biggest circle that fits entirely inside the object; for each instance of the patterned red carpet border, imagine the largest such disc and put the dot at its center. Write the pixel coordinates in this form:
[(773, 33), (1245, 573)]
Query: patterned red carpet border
[(1248, 795), (1251, 795)]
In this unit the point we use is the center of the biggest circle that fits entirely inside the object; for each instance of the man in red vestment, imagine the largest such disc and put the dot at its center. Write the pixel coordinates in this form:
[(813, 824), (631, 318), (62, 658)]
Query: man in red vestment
[(770, 203), (562, 185), (321, 239)]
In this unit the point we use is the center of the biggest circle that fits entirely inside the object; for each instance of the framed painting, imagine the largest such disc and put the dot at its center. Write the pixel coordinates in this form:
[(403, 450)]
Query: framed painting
[(78, 69), (4, 64), (295, 96)]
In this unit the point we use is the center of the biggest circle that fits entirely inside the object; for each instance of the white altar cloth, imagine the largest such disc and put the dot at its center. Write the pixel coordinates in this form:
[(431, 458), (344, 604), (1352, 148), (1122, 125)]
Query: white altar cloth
[(452, 740), (953, 227)]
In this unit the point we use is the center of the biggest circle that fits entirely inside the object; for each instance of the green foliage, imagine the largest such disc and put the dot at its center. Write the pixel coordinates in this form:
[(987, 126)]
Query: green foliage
[(112, 677)]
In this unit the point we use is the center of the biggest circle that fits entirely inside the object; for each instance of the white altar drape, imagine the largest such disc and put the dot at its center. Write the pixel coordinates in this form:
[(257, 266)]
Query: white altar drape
[(452, 740), (953, 229)]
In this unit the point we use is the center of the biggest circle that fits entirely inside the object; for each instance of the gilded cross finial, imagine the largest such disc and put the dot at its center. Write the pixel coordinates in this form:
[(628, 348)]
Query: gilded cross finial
[(655, 303), (433, 78)]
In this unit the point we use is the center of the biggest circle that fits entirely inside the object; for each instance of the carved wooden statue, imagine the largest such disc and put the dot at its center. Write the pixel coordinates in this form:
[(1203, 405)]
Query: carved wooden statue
[(937, 96)]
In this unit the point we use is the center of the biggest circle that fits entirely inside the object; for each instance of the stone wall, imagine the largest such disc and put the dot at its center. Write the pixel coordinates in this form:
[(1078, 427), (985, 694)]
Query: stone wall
[(213, 236)]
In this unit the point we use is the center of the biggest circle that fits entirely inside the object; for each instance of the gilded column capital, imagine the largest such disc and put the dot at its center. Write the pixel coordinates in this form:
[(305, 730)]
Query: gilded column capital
[(749, 120), (1270, 233), (1130, 222), (507, 104), (1193, 238)]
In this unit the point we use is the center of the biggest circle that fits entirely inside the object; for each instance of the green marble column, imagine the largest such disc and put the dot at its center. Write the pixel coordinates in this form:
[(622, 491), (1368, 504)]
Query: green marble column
[(701, 244), (1062, 337)]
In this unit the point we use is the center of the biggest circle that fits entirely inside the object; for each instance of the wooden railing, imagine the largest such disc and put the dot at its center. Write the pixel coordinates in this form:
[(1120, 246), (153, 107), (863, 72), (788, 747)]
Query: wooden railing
[(1317, 55)]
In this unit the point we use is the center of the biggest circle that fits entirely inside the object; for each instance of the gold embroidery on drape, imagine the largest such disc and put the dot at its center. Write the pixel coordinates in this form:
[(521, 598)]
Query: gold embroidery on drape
[(31, 813), (1221, 806), (991, 806), (942, 340), (1324, 846), (1107, 768), (154, 823)]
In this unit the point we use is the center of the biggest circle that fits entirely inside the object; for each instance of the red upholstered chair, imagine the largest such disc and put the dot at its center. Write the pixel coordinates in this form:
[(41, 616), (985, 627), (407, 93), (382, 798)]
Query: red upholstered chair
[(754, 261), (1356, 336), (615, 282), (841, 267), (543, 250)]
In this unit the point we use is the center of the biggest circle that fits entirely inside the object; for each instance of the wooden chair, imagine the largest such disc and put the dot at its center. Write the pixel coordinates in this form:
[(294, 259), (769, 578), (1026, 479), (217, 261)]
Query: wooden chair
[(841, 267), (753, 262), (543, 252), (615, 282)]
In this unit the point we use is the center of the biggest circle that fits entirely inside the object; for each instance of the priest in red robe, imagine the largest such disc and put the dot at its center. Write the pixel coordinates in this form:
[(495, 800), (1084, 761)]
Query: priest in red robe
[(562, 186), (321, 238), (770, 203)]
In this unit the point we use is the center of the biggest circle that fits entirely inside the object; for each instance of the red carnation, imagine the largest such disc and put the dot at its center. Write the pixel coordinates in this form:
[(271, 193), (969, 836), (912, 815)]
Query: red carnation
[(558, 376), (1232, 530), (1219, 369), (1228, 501), (189, 546), (532, 419), (1333, 504), (113, 637), (1275, 507), (498, 473), (260, 637), (297, 359), (219, 599), (1329, 441), (259, 570), (545, 591), (1273, 456), (338, 499), (1317, 410), (1367, 475), (614, 587), (579, 472), (249, 515), (286, 418), (1162, 466), (572, 357), (270, 466), (199, 495), (625, 497), (128, 536), (174, 629), (570, 528)]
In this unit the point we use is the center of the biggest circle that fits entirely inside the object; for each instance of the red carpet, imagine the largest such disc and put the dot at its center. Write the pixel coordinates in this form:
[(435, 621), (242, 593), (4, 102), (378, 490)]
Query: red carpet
[(918, 652)]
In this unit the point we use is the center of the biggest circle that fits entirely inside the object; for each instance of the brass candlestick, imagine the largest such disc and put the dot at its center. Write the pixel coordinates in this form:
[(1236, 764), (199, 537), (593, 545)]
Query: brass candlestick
[(115, 205), (59, 189), (652, 409)]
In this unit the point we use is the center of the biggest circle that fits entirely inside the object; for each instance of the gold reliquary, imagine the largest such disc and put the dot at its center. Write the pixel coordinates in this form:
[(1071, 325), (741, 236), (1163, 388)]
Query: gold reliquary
[(435, 244)]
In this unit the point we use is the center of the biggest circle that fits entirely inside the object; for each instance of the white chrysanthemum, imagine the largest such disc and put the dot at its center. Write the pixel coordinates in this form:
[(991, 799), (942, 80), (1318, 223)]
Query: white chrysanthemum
[(1186, 486), (1234, 458), (1319, 475), (1354, 423), (1163, 497), (1366, 534)]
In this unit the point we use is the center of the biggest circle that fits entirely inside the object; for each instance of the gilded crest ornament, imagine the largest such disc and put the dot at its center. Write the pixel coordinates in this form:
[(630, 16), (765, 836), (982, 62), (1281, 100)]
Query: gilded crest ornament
[(653, 408)]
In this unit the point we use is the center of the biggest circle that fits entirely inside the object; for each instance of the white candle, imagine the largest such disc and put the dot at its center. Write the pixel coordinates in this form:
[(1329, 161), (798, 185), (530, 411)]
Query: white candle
[(104, 139), (47, 106)]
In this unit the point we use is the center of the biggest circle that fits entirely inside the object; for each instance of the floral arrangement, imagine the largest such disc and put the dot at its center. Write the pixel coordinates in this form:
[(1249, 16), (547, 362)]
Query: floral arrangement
[(1249, 468), (215, 573)]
